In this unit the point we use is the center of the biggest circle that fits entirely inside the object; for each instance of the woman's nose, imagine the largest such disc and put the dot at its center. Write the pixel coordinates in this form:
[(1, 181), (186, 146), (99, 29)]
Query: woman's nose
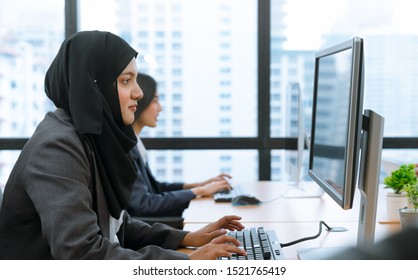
[(138, 94)]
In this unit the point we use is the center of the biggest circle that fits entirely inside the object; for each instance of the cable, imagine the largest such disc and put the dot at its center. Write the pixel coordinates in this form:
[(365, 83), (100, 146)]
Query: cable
[(334, 229), (278, 197)]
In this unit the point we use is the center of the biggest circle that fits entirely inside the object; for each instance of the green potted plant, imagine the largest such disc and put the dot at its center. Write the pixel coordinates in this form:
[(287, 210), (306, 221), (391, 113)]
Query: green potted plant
[(409, 215), (396, 181)]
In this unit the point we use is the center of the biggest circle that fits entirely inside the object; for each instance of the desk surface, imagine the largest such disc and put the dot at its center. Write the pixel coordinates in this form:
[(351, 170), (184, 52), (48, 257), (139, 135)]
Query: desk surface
[(292, 217), (279, 207)]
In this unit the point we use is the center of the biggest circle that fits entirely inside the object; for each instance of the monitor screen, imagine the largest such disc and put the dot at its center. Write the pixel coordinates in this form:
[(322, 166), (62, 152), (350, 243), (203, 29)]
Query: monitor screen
[(337, 120)]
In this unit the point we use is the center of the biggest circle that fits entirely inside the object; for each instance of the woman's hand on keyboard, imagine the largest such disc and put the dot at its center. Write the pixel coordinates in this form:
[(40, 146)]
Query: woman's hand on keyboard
[(221, 177), (211, 188), (211, 231), (222, 246)]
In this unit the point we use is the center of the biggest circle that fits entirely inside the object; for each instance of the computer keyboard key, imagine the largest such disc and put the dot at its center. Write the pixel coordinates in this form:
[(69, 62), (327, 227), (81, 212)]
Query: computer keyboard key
[(266, 253), (259, 245)]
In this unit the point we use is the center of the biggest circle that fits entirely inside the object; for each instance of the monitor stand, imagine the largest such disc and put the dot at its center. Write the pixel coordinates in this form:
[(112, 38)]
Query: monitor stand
[(303, 189), (298, 186), (368, 185)]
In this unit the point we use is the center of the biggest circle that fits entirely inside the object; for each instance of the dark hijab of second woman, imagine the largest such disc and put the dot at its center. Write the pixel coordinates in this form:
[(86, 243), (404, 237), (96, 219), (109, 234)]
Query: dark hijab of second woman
[(82, 81), (149, 87)]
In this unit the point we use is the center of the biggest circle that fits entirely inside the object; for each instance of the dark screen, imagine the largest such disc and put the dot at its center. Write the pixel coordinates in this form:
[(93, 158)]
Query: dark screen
[(332, 118)]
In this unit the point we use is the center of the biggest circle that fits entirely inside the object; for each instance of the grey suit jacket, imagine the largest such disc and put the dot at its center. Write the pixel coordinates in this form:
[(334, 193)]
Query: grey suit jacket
[(54, 207)]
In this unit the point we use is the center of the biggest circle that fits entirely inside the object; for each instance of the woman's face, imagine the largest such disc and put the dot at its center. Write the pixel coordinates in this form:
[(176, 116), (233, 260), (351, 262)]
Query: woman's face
[(129, 92), (149, 116)]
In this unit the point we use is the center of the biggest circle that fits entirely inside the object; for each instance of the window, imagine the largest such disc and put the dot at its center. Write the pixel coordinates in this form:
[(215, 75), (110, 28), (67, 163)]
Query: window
[(177, 72), (30, 37), (176, 110), (215, 162), (216, 89), (177, 97), (176, 46), (143, 34), (176, 34), (159, 46), (159, 34), (177, 159)]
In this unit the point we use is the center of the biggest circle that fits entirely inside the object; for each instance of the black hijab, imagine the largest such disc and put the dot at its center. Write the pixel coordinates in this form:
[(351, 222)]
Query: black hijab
[(82, 81)]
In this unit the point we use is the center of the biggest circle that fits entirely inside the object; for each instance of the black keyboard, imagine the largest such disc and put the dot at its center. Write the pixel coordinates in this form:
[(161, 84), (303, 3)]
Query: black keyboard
[(258, 243)]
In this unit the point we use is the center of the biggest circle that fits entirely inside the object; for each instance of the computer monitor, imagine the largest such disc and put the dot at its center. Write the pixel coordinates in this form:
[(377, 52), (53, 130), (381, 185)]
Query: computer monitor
[(337, 120), (295, 128), (295, 166), (345, 144)]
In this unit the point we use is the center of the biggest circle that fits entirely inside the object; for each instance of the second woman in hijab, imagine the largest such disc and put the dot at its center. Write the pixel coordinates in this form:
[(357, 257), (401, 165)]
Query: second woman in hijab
[(151, 197)]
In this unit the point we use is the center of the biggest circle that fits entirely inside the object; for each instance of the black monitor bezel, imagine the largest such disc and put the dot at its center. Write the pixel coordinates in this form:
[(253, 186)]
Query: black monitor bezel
[(353, 140)]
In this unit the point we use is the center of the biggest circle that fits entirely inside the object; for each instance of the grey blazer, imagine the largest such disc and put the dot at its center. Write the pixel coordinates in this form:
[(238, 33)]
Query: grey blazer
[(54, 207)]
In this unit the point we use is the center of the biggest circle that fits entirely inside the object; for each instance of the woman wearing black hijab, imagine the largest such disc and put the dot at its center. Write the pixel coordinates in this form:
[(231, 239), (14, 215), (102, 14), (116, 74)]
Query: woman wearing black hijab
[(68, 191)]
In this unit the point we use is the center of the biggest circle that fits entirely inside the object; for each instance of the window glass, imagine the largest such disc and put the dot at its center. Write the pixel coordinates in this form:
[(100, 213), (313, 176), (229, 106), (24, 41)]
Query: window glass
[(393, 158), (197, 165), (7, 160), (30, 35), (399, 156), (199, 50), (285, 166), (203, 55), (390, 40), (299, 28)]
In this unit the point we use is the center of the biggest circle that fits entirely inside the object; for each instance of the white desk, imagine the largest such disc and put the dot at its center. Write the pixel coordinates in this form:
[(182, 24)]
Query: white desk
[(292, 218)]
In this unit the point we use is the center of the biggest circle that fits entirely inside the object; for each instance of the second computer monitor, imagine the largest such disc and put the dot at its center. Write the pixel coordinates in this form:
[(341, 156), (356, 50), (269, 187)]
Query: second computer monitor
[(295, 128)]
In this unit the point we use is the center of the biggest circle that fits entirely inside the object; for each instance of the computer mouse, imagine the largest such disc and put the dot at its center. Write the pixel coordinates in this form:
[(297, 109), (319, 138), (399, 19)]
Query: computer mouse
[(245, 199)]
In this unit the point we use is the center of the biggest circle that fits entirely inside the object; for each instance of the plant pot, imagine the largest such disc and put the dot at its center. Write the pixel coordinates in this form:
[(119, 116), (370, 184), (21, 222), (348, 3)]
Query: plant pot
[(394, 202), (408, 217)]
